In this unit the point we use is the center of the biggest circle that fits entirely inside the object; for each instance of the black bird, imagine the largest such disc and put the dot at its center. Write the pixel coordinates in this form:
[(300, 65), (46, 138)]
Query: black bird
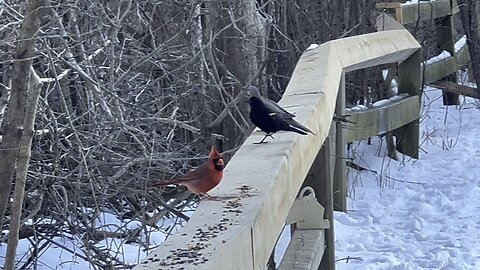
[(270, 117)]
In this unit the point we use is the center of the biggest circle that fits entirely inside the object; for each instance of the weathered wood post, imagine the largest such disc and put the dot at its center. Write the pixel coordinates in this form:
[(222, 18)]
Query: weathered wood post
[(388, 7), (326, 199), (387, 88), (340, 172), (320, 178), (446, 41), (409, 81)]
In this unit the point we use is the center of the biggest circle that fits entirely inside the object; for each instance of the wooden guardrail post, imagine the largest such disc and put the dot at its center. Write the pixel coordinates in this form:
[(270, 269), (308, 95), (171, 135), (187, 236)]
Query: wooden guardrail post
[(409, 81), (446, 41), (340, 172), (397, 14), (320, 178), (326, 199)]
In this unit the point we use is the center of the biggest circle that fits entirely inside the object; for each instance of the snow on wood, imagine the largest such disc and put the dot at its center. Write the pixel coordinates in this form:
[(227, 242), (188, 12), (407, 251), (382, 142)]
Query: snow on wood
[(412, 11), (445, 64), (412, 2), (357, 108), (460, 43), (312, 46), (380, 103), (440, 57)]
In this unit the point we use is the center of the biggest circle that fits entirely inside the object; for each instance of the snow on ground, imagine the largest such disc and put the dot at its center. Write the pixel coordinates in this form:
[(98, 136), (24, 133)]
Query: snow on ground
[(417, 214), (65, 252)]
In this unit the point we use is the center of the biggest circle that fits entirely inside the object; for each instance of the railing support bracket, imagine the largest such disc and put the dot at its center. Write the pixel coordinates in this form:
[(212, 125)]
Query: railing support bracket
[(307, 212)]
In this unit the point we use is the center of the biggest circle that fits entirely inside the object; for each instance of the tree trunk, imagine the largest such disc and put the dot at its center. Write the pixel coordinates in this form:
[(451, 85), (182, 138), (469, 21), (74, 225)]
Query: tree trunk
[(18, 125), (241, 36), (469, 13), (12, 126), (200, 103), (22, 166)]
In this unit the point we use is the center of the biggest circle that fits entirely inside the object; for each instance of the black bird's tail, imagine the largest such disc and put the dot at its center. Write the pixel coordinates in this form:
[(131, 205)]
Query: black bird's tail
[(297, 127)]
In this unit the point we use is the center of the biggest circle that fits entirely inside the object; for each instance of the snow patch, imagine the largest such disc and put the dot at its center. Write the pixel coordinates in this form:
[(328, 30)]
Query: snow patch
[(312, 46), (357, 108), (441, 56), (460, 43)]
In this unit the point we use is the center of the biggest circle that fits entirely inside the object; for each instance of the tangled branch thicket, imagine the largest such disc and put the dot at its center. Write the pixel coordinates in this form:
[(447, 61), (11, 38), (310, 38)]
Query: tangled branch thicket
[(114, 117), (137, 91)]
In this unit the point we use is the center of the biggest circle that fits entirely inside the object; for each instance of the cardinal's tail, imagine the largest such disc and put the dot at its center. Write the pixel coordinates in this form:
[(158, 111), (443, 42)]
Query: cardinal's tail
[(165, 183)]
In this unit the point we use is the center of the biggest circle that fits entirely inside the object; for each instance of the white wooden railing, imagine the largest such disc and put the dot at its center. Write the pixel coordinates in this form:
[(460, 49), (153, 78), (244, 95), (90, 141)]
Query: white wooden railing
[(263, 181)]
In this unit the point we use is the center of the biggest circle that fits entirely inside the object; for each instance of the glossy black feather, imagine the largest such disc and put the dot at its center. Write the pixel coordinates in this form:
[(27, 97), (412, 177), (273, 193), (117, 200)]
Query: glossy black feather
[(267, 120), (270, 117), (270, 105)]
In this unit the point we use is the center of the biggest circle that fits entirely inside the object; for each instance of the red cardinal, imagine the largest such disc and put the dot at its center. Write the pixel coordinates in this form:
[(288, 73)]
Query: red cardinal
[(202, 179)]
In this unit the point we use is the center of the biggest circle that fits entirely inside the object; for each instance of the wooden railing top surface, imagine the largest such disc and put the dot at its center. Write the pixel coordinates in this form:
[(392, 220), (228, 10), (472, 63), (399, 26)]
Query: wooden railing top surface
[(239, 233)]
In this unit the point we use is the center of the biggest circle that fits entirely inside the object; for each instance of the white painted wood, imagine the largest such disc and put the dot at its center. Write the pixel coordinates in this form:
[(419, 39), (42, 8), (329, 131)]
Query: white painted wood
[(413, 12), (240, 233), (380, 120), (386, 22), (340, 168), (307, 212), (462, 56), (304, 251), (437, 70)]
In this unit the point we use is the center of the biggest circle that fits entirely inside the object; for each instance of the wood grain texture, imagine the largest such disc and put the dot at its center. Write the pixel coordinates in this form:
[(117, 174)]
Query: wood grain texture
[(378, 121), (304, 250)]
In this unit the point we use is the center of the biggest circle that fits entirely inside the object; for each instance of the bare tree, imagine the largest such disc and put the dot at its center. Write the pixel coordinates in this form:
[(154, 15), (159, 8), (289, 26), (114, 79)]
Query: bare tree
[(13, 124), (27, 85), (236, 32)]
